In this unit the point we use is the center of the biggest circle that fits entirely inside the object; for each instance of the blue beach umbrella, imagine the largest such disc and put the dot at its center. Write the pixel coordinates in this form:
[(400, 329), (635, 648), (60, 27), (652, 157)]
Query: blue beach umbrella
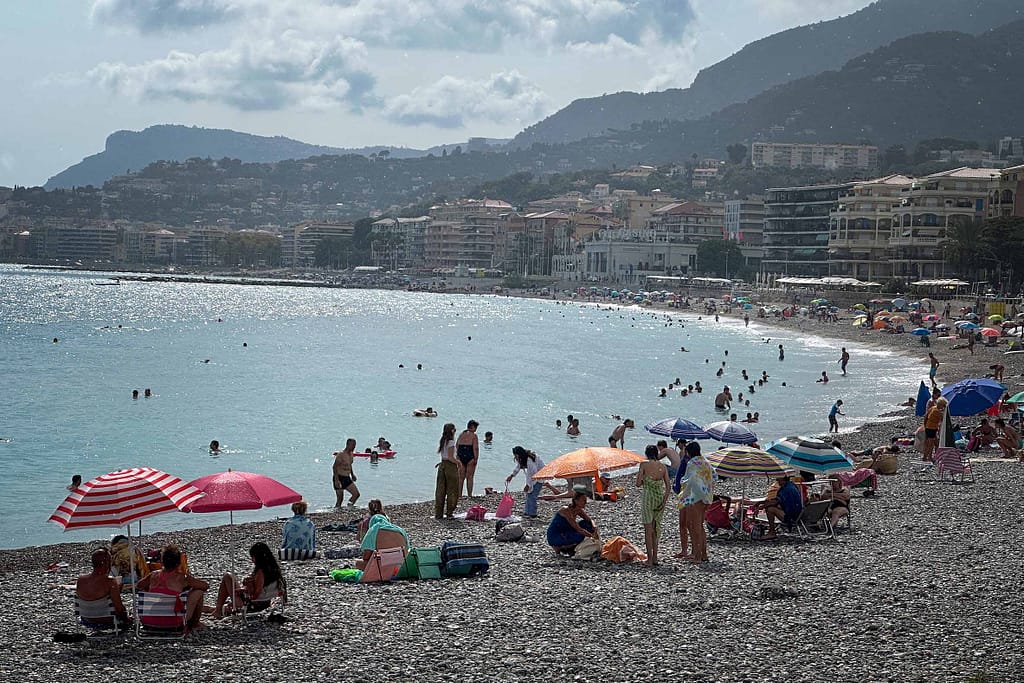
[(921, 331), (813, 455), (972, 396), (966, 325), (923, 396), (727, 431), (677, 428)]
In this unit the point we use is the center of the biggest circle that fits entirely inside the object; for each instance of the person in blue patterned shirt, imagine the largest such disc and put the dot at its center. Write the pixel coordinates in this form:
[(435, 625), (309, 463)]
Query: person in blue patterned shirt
[(299, 531)]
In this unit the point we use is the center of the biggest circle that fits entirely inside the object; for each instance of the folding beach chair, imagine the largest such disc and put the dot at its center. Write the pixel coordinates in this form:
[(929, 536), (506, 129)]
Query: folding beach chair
[(98, 616), (952, 461), (816, 517), (383, 565), (161, 616)]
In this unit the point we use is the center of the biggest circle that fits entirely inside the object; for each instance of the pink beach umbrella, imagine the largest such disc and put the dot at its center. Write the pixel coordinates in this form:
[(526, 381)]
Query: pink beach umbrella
[(230, 491)]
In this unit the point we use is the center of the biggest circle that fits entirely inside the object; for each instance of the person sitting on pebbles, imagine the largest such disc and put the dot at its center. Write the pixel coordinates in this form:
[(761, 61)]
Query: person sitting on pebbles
[(571, 525)]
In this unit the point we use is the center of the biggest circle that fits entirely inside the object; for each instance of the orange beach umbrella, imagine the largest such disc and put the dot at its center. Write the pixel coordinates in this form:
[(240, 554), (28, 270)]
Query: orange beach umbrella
[(588, 462)]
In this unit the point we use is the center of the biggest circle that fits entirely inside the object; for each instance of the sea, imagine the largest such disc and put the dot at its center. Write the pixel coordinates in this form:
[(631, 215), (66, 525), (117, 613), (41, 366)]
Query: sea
[(281, 376)]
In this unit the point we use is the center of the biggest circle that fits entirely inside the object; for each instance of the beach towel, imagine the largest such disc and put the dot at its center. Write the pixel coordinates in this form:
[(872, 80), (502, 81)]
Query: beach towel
[(851, 479), (489, 517), (619, 550), (380, 523), (652, 505)]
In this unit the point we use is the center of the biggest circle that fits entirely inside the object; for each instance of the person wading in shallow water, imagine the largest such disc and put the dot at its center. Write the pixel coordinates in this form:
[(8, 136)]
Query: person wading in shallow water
[(467, 450), (344, 477)]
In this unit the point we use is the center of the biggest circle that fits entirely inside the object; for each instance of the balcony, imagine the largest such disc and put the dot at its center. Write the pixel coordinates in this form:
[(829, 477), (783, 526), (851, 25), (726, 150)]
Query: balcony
[(845, 243), (916, 241)]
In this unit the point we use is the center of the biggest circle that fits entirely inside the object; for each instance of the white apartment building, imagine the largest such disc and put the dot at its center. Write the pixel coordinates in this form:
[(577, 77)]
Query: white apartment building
[(299, 241), (811, 155)]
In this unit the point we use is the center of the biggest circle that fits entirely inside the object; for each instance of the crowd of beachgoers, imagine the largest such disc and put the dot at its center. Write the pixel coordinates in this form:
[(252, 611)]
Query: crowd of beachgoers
[(917, 585)]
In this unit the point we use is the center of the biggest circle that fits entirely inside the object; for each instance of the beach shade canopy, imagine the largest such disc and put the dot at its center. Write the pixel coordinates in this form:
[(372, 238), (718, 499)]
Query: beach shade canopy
[(972, 396), (122, 497), (923, 396), (588, 462), (677, 428), (899, 304), (731, 432), (966, 325), (995, 318), (812, 455), (931, 317), (921, 331), (229, 491), (1016, 398), (860, 307), (991, 332), (744, 461)]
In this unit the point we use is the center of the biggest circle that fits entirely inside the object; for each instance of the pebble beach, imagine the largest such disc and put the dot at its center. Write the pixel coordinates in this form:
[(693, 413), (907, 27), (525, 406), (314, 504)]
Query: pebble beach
[(924, 587)]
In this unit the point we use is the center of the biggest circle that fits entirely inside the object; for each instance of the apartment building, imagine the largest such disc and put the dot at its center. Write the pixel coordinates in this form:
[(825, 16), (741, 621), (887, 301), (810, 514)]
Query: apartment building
[(147, 245), (796, 228), (463, 233), (398, 242), (1008, 198), (825, 156), (299, 241), (860, 227), (74, 242), (640, 208), (927, 208), (744, 220)]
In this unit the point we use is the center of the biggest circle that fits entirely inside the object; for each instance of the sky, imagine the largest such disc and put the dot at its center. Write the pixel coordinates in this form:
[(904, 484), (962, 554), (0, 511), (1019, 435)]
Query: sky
[(345, 73)]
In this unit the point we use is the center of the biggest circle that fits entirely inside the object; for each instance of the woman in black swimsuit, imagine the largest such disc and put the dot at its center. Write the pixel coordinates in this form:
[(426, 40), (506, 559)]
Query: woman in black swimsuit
[(467, 450)]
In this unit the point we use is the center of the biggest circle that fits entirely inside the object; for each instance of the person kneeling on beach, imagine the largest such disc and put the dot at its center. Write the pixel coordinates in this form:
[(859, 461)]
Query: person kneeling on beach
[(171, 580), (258, 589), (571, 525)]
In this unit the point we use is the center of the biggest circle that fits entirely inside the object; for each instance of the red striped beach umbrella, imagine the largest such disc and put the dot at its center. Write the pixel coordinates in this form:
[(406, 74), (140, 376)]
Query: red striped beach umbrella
[(122, 497)]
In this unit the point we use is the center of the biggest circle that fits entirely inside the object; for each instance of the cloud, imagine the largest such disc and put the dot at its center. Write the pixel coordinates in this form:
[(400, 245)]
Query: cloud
[(252, 74), (453, 25), (150, 16), (450, 102)]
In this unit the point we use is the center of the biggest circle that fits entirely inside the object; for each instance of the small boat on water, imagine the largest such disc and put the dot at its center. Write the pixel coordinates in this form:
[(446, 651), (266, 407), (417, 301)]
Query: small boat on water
[(114, 282)]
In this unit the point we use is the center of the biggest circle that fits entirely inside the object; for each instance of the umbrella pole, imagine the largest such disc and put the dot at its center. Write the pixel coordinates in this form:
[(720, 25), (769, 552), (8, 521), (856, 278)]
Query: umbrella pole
[(131, 577)]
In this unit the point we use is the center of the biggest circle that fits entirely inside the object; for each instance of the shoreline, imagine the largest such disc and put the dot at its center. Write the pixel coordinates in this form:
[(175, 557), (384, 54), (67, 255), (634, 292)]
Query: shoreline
[(924, 561)]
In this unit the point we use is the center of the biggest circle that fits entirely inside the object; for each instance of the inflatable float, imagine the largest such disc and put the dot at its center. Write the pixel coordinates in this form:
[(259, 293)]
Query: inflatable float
[(381, 454)]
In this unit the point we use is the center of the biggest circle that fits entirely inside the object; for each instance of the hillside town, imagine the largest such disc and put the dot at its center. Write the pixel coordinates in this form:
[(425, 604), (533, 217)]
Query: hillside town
[(886, 229)]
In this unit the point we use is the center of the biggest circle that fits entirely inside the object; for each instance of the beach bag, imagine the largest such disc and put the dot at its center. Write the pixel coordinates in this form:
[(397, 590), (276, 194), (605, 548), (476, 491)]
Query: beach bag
[(463, 559), (510, 532), (477, 513), (587, 549), (505, 506)]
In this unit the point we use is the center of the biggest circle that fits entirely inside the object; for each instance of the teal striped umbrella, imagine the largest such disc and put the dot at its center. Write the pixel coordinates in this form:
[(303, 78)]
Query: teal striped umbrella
[(813, 455), (744, 461)]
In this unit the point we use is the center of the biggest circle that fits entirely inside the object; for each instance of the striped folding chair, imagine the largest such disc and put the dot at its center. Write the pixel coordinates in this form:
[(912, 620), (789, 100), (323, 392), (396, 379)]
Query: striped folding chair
[(97, 615), (161, 616), (954, 462)]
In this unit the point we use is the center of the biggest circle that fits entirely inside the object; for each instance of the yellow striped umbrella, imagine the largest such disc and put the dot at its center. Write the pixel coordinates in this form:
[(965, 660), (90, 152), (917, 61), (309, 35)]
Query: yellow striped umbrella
[(745, 461)]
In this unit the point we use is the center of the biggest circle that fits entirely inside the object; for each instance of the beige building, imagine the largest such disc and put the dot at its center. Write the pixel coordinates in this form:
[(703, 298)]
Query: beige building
[(829, 157), (463, 233), (638, 209), (1008, 199), (860, 227), (927, 208)]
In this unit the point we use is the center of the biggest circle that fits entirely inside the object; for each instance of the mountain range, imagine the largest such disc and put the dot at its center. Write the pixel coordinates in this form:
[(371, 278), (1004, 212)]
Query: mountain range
[(779, 87), (128, 150), (779, 58)]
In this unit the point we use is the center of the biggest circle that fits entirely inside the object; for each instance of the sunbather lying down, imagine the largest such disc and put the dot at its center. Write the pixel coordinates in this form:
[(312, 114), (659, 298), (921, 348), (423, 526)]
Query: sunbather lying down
[(582, 485)]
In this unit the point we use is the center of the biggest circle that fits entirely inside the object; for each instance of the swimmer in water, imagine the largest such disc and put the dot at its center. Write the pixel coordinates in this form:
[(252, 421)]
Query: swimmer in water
[(214, 447), (424, 412), (76, 481), (135, 393)]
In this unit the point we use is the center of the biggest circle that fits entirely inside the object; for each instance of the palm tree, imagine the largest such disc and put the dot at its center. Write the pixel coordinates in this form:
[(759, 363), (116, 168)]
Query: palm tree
[(967, 246)]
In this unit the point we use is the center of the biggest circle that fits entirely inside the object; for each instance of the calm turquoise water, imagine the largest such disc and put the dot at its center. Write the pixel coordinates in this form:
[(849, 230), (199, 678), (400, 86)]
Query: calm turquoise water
[(321, 365)]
